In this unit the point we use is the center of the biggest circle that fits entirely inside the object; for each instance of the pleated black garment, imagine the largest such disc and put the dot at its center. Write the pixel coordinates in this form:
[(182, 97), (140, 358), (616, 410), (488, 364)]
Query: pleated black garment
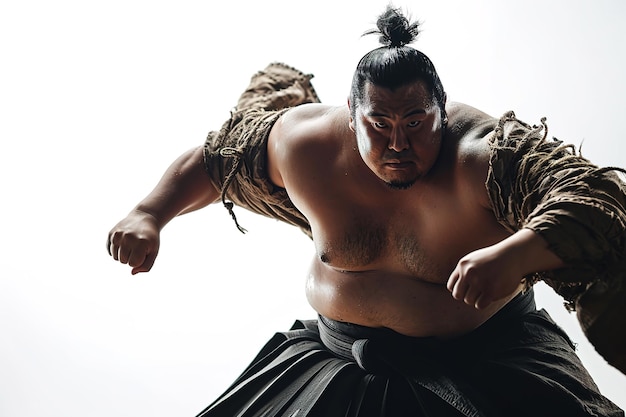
[(519, 363)]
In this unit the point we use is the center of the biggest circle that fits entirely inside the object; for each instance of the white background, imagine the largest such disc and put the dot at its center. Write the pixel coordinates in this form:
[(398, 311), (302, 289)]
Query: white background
[(96, 100)]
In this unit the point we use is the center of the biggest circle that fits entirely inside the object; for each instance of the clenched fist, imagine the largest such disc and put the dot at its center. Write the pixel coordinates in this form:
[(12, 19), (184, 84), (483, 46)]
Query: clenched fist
[(135, 241)]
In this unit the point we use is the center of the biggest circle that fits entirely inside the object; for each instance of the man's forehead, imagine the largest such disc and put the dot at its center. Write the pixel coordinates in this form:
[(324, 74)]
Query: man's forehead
[(414, 95)]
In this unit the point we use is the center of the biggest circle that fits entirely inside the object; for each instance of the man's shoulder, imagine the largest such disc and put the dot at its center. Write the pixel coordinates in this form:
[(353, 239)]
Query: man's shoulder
[(464, 120), (312, 124), (468, 132), (316, 113), (305, 139), (470, 129)]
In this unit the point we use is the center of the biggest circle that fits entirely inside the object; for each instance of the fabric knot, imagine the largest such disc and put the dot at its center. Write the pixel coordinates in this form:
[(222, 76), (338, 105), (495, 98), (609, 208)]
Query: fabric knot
[(359, 349), (229, 152), (367, 356)]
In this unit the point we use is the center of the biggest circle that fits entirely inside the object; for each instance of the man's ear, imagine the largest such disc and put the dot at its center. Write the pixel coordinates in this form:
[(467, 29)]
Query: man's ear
[(351, 122), (444, 113)]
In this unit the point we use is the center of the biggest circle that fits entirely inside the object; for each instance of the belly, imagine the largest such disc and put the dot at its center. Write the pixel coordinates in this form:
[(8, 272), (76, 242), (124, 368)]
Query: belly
[(398, 301)]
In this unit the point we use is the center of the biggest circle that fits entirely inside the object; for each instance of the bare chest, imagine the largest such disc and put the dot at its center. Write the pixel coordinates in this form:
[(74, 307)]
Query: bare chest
[(423, 240)]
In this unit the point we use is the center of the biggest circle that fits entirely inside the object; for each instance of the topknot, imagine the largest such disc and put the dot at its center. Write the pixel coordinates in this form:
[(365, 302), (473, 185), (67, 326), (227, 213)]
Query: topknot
[(394, 28)]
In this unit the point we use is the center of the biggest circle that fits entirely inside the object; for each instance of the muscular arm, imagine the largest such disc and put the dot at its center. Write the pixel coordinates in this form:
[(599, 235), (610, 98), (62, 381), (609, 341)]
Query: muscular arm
[(567, 217), (579, 209), (184, 187), (492, 273)]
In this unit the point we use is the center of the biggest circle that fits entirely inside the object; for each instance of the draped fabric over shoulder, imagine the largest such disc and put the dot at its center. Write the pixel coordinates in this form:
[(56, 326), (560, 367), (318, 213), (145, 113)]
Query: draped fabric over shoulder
[(580, 210), (236, 156)]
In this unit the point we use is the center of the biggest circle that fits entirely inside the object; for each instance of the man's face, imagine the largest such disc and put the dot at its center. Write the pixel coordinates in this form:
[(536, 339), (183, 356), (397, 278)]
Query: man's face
[(398, 132)]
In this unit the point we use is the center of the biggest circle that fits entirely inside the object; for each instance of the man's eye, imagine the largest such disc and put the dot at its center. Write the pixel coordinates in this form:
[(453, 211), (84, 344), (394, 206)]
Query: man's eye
[(414, 123), (380, 125)]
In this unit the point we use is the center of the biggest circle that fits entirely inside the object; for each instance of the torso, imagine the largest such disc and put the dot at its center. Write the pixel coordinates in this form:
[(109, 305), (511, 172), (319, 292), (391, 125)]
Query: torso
[(383, 256)]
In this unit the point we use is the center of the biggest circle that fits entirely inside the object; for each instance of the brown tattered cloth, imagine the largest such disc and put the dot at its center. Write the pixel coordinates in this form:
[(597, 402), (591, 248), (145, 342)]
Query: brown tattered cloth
[(580, 210), (236, 156), (533, 182)]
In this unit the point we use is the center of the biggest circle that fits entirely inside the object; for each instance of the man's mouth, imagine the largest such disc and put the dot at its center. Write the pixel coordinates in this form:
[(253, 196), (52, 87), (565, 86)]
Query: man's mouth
[(397, 164)]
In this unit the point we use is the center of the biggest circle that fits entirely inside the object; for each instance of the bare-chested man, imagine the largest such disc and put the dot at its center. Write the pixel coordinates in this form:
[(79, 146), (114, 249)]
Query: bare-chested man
[(419, 286)]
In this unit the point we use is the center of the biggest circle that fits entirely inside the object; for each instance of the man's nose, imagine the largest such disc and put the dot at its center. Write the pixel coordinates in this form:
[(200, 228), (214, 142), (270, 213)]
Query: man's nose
[(398, 140)]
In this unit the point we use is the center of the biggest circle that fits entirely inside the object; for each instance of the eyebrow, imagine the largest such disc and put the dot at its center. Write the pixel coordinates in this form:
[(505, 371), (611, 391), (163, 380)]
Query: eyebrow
[(409, 114)]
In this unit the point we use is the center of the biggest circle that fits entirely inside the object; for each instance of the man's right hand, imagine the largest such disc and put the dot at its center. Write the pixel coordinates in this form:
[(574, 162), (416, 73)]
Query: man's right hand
[(135, 241)]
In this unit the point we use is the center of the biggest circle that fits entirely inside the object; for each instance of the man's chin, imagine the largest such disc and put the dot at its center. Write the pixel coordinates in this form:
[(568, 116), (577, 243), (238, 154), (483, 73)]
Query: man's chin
[(399, 185)]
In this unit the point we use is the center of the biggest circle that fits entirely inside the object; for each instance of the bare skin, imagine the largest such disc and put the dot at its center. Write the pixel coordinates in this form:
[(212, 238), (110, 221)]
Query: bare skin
[(427, 259)]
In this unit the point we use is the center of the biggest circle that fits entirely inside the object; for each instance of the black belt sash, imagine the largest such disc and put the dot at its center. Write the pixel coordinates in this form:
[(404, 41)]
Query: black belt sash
[(424, 361)]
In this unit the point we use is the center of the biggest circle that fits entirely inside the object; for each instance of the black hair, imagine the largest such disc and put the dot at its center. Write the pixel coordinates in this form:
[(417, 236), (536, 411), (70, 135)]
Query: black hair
[(395, 63)]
